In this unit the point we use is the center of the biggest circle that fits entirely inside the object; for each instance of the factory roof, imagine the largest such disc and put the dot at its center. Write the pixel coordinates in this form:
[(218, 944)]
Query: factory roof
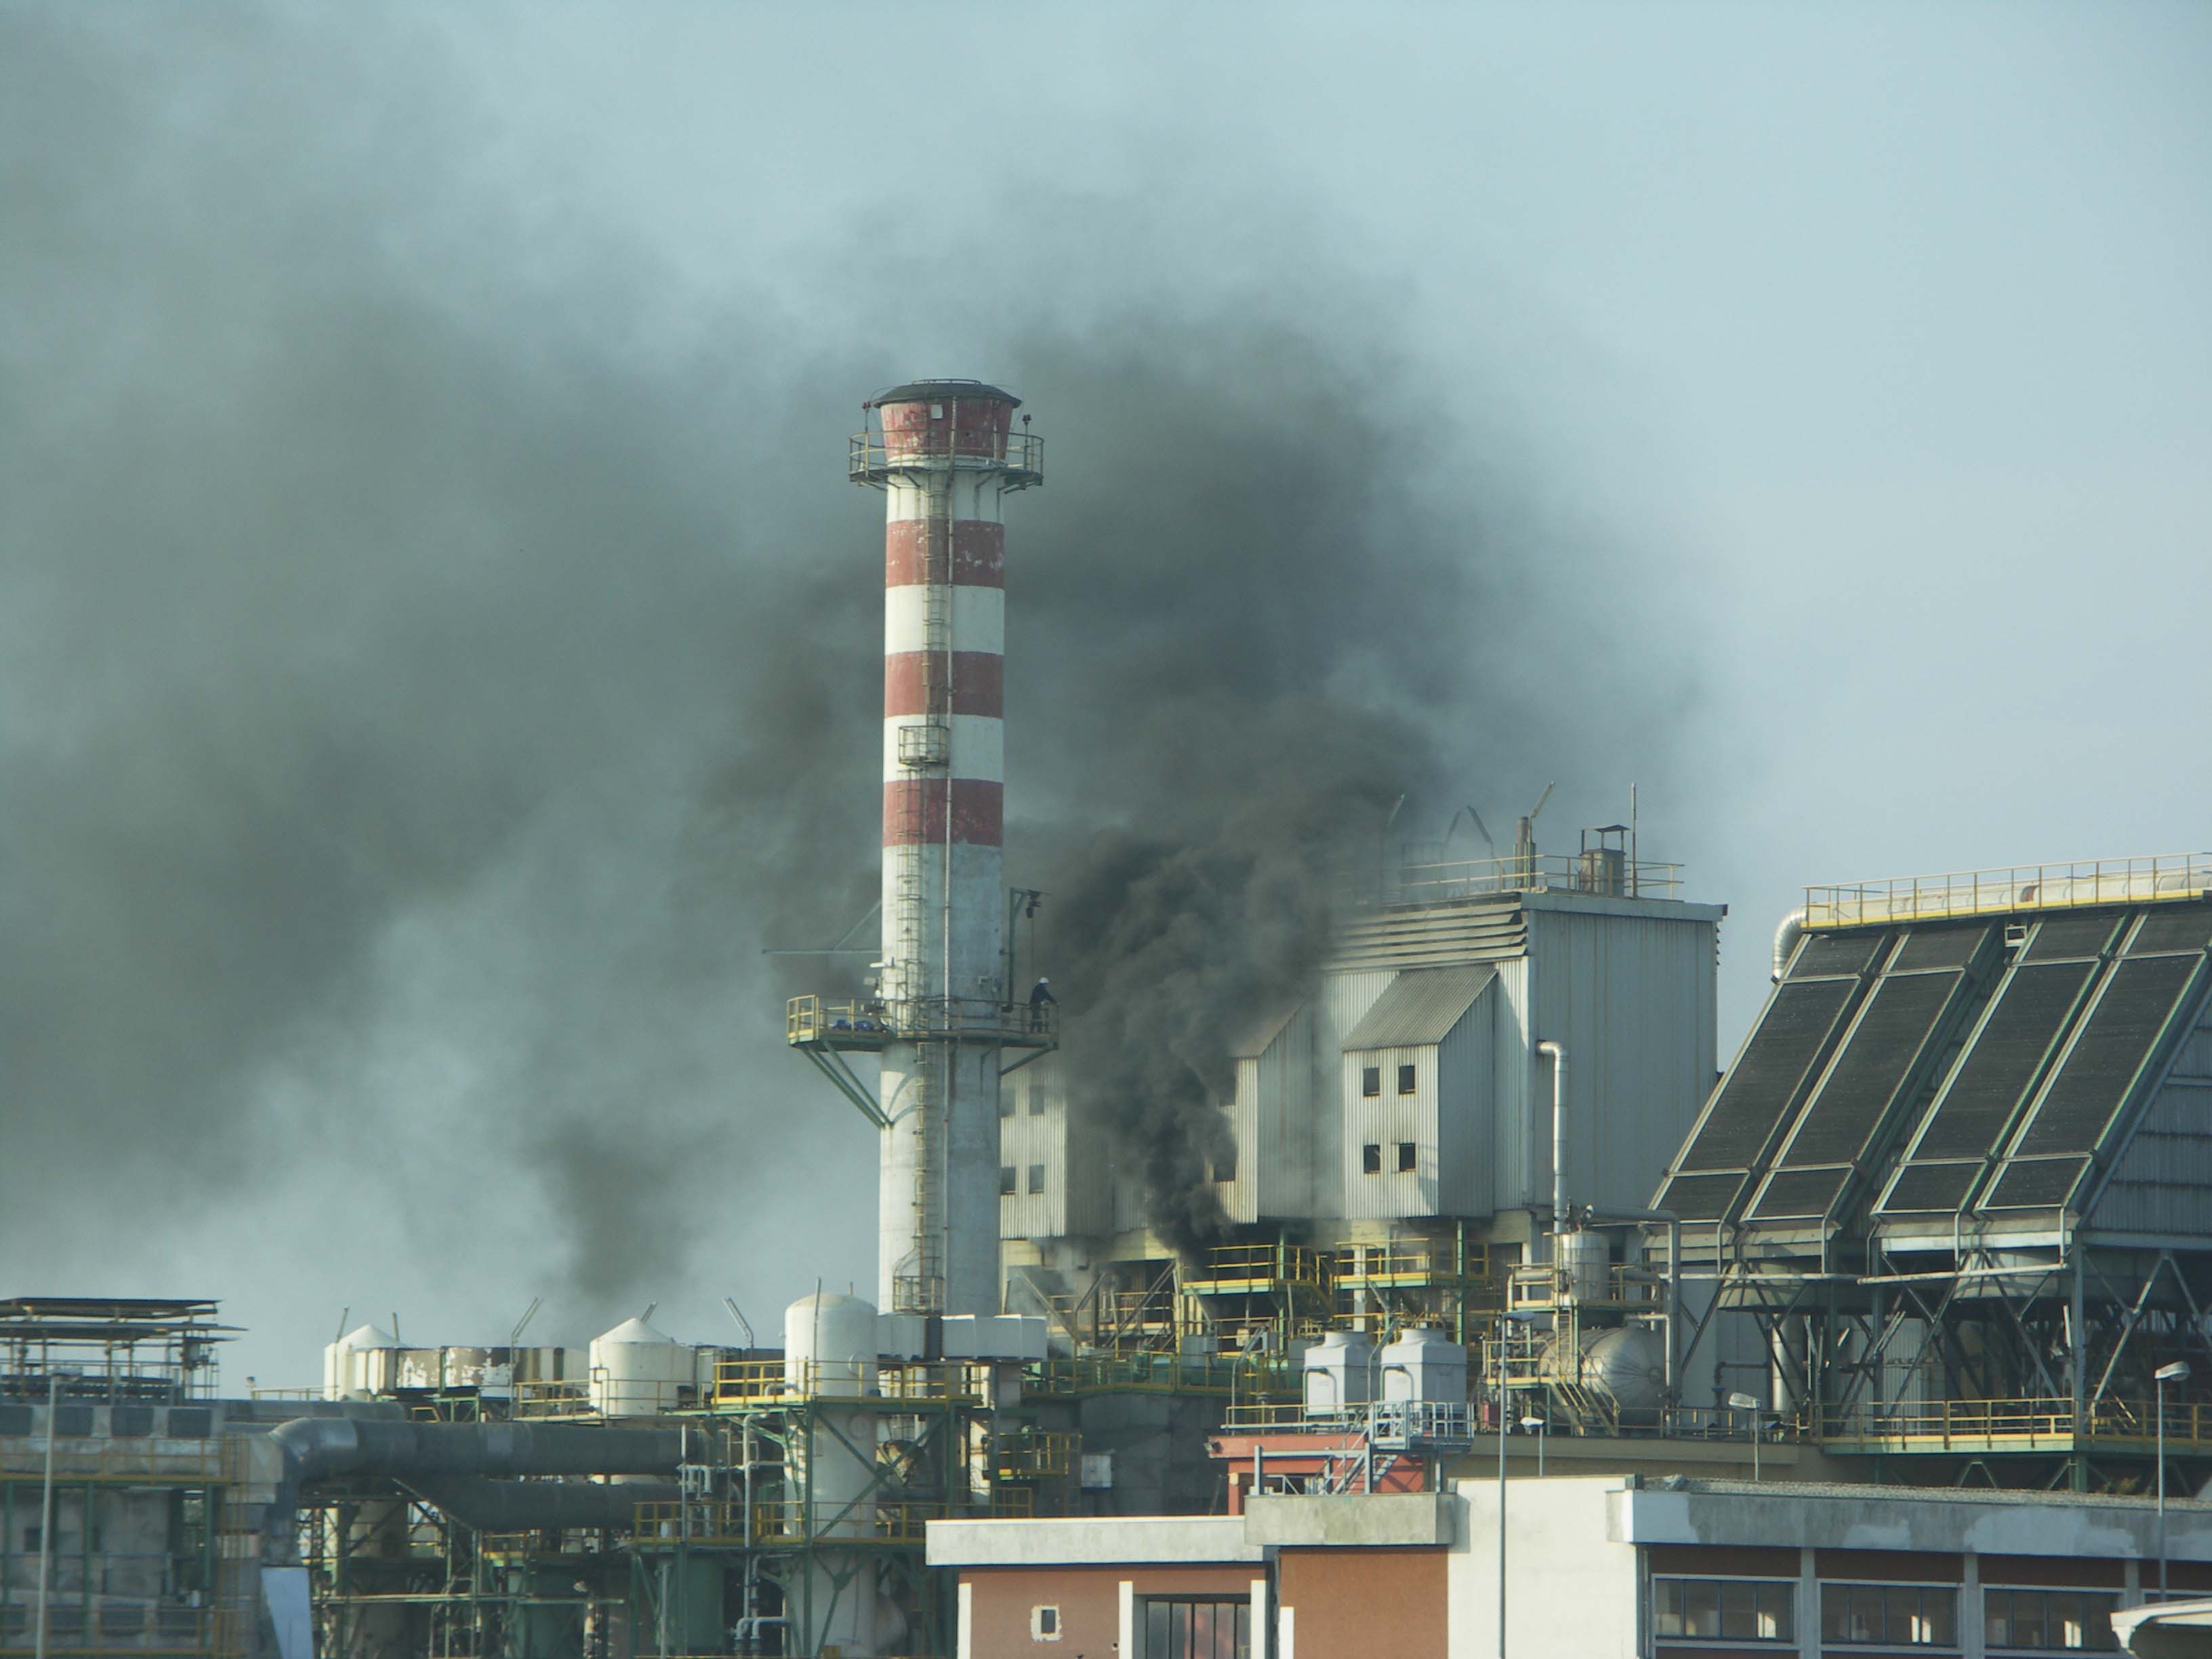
[(1421, 1005), (914, 391)]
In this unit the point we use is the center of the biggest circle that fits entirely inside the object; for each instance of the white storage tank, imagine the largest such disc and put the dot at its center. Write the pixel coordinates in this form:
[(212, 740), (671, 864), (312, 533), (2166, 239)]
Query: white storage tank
[(1339, 1371), (830, 1345), (358, 1363), (830, 1352), (1424, 1365), (637, 1371)]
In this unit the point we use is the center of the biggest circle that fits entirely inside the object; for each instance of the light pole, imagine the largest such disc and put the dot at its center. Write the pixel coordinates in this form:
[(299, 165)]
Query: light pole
[(1536, 1425), (1744, 1402), (1505, 1426), (2177, 1372), (46, 1514)]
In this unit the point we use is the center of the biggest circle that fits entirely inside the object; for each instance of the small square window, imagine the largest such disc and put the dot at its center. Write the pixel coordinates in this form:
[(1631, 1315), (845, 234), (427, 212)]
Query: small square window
[(1044, 1623), (1037, 1178), (1225, 1163), (1006, 1102), (1405, 1157), (1370, 1081), (1007, 1181), (1406, 1084), (1037, 1101), (1370, 1158)]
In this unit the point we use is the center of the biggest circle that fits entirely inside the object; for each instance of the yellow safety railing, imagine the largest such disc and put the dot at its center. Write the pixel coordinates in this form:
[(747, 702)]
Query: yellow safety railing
[(2188, 1423), (1543, 1285), (1409, 1262), (1231, 1268), (759, 1381), (1954, 1425), (1035, 1455), (1270, 1414), (2023, 887), (813, 1019), (569, 1398), (1165, 1373)]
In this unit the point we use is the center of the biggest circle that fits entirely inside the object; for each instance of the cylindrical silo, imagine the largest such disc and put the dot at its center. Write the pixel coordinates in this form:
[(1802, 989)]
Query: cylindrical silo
[(636, 1371), (1585, 1262), (944, 453), (358, 1363), (830, 1355)]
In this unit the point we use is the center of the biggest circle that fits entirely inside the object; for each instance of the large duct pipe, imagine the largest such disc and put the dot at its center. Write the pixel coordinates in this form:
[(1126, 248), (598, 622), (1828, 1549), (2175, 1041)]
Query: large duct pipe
[(1785, 939), (1557, 1052), (540, 1505), (317, 1447)]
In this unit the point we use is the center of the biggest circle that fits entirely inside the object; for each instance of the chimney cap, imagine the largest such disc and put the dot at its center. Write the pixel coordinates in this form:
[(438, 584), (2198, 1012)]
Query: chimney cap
[(914, 392)]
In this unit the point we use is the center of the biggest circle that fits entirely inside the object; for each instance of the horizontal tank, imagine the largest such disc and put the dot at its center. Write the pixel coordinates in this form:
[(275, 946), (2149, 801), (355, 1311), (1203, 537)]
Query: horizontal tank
[(1626, 1363), (1339, 1371)]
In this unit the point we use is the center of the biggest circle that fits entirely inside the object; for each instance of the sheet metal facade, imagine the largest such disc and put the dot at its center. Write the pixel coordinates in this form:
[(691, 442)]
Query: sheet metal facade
[(1628, 985)]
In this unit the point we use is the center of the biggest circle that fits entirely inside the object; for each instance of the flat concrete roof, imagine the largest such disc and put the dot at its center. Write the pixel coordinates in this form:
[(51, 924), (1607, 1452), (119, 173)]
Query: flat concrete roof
[(1180, 1540)]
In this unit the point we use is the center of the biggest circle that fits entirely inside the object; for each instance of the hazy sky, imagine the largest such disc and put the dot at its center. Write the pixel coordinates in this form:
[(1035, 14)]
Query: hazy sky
[(432, 603)]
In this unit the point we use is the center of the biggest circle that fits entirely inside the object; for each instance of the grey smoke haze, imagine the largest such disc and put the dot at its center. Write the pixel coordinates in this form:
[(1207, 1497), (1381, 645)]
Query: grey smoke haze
[(438, 652), (426, 701)]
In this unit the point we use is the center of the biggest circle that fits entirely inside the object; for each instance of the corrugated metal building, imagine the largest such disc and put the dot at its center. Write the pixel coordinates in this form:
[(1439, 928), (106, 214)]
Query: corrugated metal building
[(1407, 1090)]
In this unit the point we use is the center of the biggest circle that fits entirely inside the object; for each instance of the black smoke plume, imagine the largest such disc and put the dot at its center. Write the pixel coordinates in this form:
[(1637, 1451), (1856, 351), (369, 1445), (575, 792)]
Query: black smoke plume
[(437, 662)]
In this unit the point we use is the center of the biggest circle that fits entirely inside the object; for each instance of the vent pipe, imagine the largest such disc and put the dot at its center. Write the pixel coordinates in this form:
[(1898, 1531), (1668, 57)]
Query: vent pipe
[(1557, 1052), (1785, 939)]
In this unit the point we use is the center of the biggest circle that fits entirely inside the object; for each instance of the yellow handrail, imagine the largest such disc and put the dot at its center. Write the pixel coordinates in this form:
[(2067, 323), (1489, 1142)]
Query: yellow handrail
[(2023, 887)]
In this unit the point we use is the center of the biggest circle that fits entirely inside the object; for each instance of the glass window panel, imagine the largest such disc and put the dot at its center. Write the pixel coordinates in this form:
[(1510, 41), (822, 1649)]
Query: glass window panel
[(1701, 1608), (2027, 1619), (1667, 1607), (1739, 1612), (1835, 1612), (1996, 1618), (1775, 1605), (1156, 1627), (1939, 1612), (2097, 1622), (1243, 1630)]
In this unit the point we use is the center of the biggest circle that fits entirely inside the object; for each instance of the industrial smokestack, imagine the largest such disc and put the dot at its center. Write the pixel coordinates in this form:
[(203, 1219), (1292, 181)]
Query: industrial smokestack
[(946, 454)]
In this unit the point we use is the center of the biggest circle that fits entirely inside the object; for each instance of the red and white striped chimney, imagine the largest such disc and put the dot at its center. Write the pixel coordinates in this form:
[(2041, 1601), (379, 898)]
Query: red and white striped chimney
[(945, 453)]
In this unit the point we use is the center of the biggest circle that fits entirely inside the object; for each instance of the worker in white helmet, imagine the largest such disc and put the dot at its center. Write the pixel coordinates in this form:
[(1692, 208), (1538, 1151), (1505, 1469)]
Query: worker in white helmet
[(1040, 995)]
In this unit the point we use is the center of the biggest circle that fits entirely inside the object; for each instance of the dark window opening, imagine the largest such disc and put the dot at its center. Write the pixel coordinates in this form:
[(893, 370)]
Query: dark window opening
[(1370, 1081), (1005, 1180), (1370, 1158), (1405, 1157), (1406, 1084), (1193, 1629), (1733, 1610), (1037, 1178), (1890, 1615)]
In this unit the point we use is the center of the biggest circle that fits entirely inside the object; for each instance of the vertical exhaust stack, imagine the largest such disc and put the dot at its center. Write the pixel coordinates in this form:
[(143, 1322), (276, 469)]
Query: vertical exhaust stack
[(945, 453)]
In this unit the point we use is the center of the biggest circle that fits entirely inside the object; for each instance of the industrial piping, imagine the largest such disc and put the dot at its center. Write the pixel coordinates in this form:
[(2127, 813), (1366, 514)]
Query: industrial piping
[(317, 1447), (1557, 1052), (1785, 939), (540, 1505)]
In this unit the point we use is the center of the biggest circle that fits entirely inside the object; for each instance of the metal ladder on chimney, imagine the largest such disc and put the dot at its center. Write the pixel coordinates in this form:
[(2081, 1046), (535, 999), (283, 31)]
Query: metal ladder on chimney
[(925, 752)]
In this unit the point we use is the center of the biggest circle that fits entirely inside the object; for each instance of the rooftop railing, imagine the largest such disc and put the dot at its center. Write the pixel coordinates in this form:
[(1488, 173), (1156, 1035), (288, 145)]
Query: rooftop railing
[(2023, 887), (1595, 871), (871, 460)]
